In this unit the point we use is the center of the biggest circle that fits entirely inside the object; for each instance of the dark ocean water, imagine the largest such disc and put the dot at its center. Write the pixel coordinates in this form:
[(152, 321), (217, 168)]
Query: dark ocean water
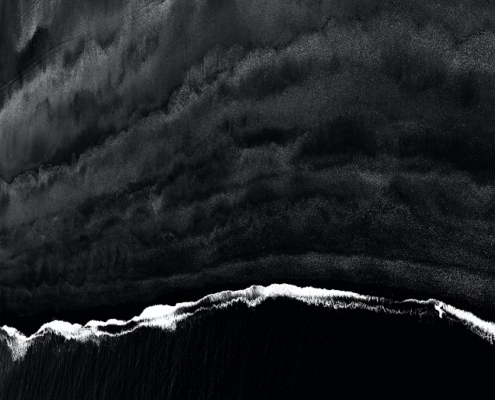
[(279, 342)]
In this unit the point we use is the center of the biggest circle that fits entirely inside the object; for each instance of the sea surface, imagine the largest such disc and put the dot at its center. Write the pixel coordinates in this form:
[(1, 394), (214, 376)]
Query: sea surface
[(274, 342)]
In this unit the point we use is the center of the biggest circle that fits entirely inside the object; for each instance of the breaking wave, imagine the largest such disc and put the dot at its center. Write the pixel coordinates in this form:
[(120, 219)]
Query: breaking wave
[(283, 324), (166, 316)]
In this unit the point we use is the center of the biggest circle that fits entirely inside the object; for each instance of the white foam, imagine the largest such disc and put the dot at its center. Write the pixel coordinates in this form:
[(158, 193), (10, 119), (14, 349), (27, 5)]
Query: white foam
[(166, 316)]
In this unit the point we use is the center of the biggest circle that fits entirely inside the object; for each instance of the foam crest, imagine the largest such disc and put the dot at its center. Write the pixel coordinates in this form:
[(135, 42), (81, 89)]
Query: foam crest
[(166, 316)]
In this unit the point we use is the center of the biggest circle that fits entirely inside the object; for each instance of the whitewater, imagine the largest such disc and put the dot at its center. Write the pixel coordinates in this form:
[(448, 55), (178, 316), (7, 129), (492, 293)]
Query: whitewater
[(166, 316)]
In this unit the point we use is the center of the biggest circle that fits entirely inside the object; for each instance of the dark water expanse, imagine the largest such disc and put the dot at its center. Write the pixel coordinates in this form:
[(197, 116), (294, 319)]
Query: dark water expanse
[(158, 151), (141, 141), (301, 345)]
